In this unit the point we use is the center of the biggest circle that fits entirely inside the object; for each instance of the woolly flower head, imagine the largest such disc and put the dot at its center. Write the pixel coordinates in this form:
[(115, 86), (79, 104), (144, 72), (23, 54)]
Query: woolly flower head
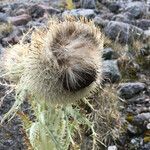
[(61, 64)]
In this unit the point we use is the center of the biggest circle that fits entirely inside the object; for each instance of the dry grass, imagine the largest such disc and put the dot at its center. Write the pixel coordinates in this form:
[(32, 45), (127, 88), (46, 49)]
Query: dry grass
[(130, 57), (106, 117)]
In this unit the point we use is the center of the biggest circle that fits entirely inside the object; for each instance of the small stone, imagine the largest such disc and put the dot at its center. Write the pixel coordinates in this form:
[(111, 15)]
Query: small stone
[(100, 22), (123, 17), (6, 8), (3, 17), (21, 12), (38, 10), (20, 20), (107, 16), (112, 147), (143, 24), (88, 13), (34, 24), (8, 142), (132, 129), (135, 142), (148, 126), (142, 118), (145, 51), (14, 37), (114, 7), (146, 146), (129, 90), (1, 49), (10, 40), (139, 100), (147, 34), (110, 71), (109, 53)]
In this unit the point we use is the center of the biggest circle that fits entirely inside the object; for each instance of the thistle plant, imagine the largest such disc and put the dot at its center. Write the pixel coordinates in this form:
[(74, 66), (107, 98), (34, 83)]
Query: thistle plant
[(61, 66)]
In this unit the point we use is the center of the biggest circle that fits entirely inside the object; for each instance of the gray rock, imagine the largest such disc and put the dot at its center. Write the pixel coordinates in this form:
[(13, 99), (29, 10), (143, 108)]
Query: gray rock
[(109, 53), (100, 22), (88, 13), (107, 15), (21, 11), (114, 7), (14, 37), (20, 20), (143, 24), (1, 49), (139, 99), (88, 4), (123, 32), (3, 17), (123, 17), (146, 146), (5, 8), (145, 51), (11, 39), (147, 34), (148, 126), (14, 5), (142, 118), (114, 147), (132, 129), (136, 9), (129, 90), (135, 143), (110, 71), (38, 10), (34, 24)]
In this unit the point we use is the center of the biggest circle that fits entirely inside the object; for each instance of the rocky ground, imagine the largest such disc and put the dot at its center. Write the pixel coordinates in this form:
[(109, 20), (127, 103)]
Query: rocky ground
[(126, 59)]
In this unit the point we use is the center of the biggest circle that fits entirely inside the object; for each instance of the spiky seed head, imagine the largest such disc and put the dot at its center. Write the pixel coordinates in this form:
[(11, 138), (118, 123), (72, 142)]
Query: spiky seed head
[(62, 63)]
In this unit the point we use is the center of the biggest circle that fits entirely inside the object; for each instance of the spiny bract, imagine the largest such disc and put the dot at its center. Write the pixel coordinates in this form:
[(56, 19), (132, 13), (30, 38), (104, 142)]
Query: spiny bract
[(61, 64)]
